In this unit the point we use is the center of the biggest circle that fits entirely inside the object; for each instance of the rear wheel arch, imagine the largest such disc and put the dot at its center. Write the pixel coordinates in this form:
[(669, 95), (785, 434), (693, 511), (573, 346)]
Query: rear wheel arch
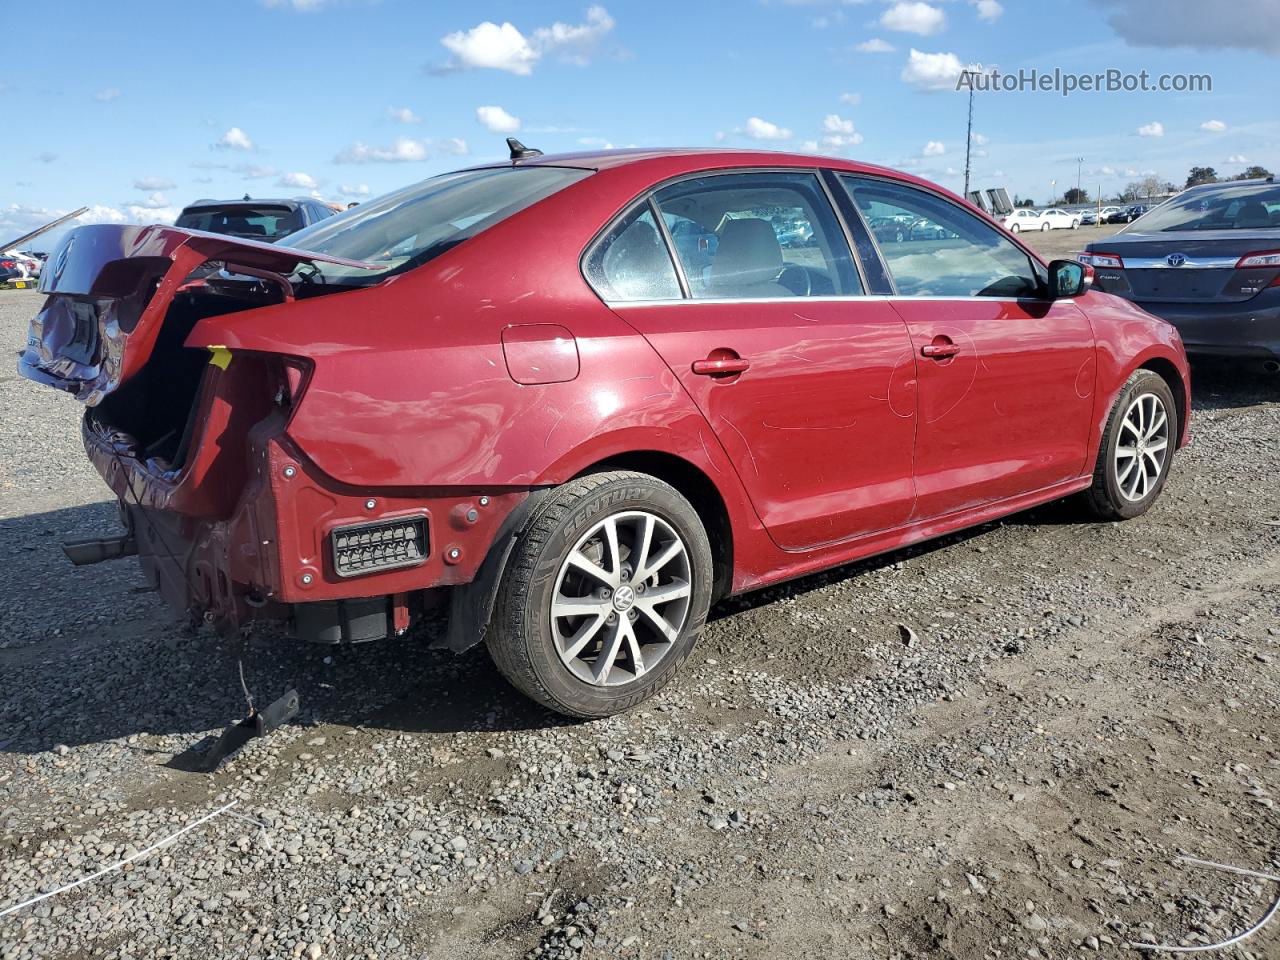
[(696, 487)]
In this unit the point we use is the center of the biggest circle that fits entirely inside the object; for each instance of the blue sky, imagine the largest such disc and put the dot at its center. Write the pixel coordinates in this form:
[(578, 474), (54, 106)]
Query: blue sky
[(136, 108)]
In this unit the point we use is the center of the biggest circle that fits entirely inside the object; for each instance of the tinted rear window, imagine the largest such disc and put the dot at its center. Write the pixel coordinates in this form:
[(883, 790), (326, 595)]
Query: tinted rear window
[(1251, 206), (410, 226), (238, 220)]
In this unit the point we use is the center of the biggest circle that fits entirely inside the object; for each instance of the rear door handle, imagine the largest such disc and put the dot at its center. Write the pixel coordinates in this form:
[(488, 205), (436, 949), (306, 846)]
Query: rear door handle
[(721, 366)]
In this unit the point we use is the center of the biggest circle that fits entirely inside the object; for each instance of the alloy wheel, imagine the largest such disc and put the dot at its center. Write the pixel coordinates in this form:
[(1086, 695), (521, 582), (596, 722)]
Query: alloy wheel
[(621, 598), (1142, 447)]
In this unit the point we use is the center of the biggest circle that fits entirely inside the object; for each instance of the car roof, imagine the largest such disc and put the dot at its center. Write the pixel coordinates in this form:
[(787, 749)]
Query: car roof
[(695, 158), (254, 202)]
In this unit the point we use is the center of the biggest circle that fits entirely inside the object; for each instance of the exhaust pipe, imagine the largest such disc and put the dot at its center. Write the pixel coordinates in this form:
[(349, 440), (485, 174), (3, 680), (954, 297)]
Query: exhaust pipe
[(1271, 366)]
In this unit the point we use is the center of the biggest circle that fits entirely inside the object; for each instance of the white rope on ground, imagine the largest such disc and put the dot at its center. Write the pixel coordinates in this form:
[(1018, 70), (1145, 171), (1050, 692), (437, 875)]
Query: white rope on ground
[(1232, 941), (116, 866)]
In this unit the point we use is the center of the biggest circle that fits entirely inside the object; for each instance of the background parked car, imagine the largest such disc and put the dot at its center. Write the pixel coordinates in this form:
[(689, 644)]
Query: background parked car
[(1133, 212), (1022, 219), (1208, 261), (1057, 219), (266, 220), (1111, 215)]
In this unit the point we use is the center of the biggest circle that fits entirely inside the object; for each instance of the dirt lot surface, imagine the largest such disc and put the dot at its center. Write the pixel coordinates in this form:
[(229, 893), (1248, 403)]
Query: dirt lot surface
[(1074, 705)]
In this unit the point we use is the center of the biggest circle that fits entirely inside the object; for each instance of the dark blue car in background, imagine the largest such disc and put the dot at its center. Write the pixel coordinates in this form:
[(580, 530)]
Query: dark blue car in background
[(1208, 261)]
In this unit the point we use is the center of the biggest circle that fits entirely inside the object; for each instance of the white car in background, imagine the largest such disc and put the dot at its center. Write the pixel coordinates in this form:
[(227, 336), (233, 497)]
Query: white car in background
[(1023, 219), (1055, 219)]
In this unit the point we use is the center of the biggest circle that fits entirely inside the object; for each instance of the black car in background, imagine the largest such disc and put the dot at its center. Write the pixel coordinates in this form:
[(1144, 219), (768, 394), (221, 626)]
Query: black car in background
[(1208, 261), (266, 220), (1133, 212)]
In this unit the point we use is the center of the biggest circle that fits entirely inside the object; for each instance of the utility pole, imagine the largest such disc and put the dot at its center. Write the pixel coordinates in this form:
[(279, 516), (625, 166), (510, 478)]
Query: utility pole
[(968, 134), (1079, 166)]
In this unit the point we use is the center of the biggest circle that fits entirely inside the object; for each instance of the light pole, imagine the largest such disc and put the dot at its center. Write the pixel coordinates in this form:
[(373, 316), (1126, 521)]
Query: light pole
[(968, 133), (1079, 167), (1053, 190)]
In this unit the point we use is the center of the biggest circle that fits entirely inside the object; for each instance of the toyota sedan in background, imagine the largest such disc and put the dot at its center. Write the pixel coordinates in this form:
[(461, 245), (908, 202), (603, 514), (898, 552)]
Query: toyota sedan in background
[(1208, 261), (1055, 219), (511, 391)]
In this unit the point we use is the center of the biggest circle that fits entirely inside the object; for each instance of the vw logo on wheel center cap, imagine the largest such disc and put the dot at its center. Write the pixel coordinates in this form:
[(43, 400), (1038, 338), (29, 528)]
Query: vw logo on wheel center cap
[(1176, 259), (623, 598)]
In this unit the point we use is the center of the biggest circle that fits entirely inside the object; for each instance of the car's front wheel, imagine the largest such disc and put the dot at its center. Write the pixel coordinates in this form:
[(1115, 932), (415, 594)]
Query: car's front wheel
[(1014, 228), (604, 596), (1044, 227), (1136, 451)]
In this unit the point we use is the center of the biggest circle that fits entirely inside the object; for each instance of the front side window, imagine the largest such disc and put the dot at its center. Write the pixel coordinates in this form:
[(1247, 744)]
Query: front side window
[(957, 256), (757, 235), (405, 229), (631, 261)]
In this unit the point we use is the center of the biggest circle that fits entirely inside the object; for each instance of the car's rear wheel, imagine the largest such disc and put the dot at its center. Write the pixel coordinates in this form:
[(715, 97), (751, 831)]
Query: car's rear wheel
[(1137, 449), (1014, 228), (604, 596), (1044, 227)]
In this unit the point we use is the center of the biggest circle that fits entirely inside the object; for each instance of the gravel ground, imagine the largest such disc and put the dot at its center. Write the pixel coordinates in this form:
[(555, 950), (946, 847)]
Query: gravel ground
[(1073, 705)]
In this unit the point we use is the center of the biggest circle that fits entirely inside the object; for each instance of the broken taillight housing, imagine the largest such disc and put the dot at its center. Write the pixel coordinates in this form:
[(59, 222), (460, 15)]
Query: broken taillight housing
[(383, 545)]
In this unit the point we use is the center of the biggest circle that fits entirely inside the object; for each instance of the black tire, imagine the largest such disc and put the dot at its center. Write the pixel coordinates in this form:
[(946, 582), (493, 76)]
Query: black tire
[(1014, 228), (1105, 499), (521, 640)]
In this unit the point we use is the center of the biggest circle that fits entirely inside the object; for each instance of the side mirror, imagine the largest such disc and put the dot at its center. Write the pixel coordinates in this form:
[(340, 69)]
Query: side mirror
[(1069, 278)]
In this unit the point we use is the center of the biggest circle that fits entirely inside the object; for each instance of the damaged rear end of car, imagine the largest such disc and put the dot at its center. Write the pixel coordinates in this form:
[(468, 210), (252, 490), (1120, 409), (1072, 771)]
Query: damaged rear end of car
[(191, 439)]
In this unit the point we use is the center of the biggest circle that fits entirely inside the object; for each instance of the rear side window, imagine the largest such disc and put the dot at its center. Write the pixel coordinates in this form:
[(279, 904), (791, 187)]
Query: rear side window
[(933, 248), (758, 235), (632, 263)]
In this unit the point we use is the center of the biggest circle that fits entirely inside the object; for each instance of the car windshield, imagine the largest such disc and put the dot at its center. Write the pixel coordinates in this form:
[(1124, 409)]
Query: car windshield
[(1228, 207), (241, 220), (405, 229)]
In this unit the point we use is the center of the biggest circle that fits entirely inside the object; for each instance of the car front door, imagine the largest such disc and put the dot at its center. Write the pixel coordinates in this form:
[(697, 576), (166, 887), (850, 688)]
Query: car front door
[(808, 384), (1006, 377)]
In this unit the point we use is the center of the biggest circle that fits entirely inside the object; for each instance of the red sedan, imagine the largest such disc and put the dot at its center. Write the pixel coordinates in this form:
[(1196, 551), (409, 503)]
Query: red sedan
[(579, 398)]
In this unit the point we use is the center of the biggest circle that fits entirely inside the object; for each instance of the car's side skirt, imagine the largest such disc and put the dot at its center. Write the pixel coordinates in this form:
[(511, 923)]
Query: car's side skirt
[(895, 539)]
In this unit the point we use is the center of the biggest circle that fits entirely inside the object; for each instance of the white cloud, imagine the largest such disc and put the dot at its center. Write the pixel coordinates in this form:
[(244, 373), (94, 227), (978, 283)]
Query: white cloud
[(809, 146), (913, 17), (497, 119), (153, 183), (302, 181), (1237, 158), (492, 46), (988, 10), (834, 123), (980, 139), (574, 43), (454, 145), (254, 171), (758, 129), (234, 139), (107, 95), (404, 150), (838, 141), (932, 71), (157, 201), (934, 148), (403, 115), (354, 190), (1213, 126), (852, 99), (874, 45), (1153, 129)]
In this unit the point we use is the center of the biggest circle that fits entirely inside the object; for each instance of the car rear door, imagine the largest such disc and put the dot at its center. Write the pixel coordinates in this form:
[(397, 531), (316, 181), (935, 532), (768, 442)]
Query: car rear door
[(808, 384), (1006, 377)]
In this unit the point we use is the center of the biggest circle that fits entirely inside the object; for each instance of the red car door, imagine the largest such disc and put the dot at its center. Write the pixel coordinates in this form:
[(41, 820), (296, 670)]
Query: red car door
[(809, 387), (1006, 377)]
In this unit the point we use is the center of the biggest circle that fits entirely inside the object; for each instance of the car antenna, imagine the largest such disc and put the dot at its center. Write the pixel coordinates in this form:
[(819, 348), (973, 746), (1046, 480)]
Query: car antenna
[(520, 152)]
